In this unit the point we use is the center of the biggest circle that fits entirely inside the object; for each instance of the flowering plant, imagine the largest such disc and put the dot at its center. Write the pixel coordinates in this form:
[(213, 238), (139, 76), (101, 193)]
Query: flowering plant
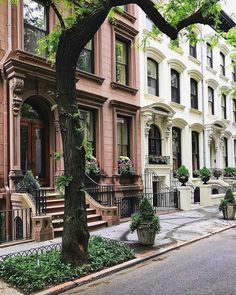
[(125, 166), (91, 166)]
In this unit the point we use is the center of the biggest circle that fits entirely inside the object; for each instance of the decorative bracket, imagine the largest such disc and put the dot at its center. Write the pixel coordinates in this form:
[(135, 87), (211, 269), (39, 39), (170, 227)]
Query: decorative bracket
[(16, 86)]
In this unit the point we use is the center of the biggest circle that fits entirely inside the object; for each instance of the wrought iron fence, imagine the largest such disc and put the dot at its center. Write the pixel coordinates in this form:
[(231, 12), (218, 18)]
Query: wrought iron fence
[(15, 225), (103, 194)]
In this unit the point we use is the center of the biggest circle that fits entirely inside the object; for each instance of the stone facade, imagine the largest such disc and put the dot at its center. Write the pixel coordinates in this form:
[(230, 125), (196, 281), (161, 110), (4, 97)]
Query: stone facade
[(28, 81)]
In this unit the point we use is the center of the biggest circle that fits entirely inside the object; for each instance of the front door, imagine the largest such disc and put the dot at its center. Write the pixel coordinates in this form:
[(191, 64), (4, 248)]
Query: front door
[(35, 148)]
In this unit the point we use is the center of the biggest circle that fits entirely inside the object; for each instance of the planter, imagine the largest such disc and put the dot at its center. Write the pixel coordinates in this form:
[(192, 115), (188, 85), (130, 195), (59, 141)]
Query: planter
[(145, 236), (127, 179), (183, 180), (229, 212), (205, 179)]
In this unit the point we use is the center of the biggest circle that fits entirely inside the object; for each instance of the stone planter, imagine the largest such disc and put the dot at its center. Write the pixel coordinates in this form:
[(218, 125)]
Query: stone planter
[(127, 179), (183, 180), (229, 212), (145, 237), (205, 179)]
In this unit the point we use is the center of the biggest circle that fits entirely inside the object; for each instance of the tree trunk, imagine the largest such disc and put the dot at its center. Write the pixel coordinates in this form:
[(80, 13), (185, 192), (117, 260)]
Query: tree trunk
[(75, 232)]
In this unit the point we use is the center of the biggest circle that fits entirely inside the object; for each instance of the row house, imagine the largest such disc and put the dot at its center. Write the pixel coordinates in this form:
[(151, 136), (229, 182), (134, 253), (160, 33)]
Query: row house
[(108, 99), (188, 112)]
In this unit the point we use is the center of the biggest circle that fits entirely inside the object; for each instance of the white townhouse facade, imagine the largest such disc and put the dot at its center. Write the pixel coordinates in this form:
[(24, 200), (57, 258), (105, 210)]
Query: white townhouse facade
[(188, 115)]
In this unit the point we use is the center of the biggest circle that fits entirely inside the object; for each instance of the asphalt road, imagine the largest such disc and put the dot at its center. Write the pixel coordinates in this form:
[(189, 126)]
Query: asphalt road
[(207, 267)]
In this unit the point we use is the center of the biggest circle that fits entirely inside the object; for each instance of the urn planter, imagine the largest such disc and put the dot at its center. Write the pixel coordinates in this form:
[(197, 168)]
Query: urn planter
[(229, 212), (145, 236)]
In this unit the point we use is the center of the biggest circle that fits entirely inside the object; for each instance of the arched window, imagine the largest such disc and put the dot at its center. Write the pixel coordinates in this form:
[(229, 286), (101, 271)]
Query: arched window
[(152, 77), (195, 150), (154, 141), (176, 147), (175, 86)]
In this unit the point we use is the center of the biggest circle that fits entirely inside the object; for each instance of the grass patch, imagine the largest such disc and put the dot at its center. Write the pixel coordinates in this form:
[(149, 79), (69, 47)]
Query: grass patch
[(35, 272)]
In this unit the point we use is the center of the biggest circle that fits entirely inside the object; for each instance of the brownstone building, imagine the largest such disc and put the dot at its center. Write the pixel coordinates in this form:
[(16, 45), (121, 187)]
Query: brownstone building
[(108, 97)]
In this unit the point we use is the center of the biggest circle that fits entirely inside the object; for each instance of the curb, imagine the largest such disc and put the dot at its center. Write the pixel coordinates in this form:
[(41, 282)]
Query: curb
[(114, 269)]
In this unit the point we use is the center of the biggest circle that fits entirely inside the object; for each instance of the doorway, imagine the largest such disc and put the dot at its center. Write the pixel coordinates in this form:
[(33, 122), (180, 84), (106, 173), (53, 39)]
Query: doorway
[(34, 147)]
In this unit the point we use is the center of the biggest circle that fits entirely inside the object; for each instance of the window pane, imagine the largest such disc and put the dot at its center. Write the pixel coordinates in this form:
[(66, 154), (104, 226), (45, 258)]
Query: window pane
[(89, 122), (31, 38), (34, 14), (85, 61), (121, 74), (120, 52), (122, 137), (151, 69)]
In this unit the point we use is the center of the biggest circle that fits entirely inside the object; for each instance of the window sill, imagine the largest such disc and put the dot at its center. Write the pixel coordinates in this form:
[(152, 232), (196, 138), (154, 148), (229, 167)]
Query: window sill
[(176, 49), (126, 88), (195, 111), (233, 83), (90, 76), (194, 59), (177, 105), (224, 78), (127, 15), (153, 97), (211, 70)]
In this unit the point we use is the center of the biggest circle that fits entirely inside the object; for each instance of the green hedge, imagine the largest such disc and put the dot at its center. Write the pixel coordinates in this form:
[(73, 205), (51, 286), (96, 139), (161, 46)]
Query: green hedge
[(35, 272)]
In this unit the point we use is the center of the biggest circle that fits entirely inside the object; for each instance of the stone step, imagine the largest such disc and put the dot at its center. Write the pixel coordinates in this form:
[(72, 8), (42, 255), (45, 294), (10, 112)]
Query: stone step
[(90, 218), (91, 226)]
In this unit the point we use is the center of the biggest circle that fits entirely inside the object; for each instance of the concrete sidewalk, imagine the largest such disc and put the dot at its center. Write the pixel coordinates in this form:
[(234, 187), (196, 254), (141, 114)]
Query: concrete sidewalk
[(177, 229)]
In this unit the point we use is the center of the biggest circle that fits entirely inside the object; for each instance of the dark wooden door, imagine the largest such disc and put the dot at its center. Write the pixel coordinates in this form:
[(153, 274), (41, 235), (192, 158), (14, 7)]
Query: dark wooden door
[(35, 149)]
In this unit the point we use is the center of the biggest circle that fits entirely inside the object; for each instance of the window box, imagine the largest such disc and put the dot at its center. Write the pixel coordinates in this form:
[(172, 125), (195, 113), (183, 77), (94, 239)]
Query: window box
[(161, 160)]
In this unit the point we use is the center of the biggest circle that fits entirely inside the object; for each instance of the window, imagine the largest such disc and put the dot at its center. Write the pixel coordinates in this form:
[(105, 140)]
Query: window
[(89, 121), (223, 106), (234, 110), (123, 136), (193, 50), (225, 155), (35, 24), (209, 56), (210, 101), (222, 64), (194, 93), (86, 58), (195, 150), (234, 74), (154, 141), (175, 87), (176, 148), (152, 76), (122, 62)]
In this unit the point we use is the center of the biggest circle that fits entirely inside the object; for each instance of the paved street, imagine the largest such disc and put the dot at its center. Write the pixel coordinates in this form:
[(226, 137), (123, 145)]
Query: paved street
[(206, 267)]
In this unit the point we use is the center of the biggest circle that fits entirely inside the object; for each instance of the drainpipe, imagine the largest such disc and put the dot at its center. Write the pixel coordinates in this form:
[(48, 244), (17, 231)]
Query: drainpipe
[(203, 105)]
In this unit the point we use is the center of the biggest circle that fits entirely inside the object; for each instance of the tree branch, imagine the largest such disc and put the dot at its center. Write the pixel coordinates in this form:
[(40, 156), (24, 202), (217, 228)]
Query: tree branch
[(59, 16)]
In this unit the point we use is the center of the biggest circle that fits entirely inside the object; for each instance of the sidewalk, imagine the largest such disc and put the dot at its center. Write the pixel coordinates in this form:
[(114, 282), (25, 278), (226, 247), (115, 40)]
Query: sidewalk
[(178, 228)]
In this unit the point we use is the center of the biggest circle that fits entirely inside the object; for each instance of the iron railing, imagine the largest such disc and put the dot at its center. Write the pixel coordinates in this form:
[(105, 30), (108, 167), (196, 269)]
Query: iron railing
[(103, 194), (15, 225), (40, 199)]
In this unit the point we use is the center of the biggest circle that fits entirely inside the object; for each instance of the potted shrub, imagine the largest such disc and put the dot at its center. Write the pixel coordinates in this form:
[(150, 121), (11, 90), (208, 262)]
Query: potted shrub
[(146, 223), (217, 173), (182, 174), (28, 184), (205, 174), (227, 205)]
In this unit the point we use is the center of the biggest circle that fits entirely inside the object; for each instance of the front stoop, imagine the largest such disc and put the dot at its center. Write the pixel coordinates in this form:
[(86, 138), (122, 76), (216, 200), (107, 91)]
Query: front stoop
[(55, 209)]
